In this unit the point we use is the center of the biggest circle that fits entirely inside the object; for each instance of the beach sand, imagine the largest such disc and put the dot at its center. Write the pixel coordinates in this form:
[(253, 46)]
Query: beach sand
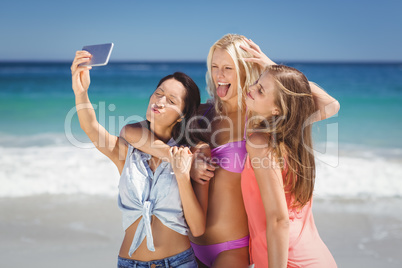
[(361, 233), (85, 231), (59, 231)]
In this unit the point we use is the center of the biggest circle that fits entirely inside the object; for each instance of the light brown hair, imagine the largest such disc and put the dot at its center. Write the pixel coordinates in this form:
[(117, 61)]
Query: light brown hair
[(290, 131)]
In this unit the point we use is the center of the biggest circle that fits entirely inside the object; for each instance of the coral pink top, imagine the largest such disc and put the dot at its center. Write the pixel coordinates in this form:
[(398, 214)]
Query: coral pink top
[(306, 249)]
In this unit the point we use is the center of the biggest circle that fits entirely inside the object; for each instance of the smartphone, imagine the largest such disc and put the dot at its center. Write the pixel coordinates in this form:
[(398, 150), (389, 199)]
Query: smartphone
[(100, 54)]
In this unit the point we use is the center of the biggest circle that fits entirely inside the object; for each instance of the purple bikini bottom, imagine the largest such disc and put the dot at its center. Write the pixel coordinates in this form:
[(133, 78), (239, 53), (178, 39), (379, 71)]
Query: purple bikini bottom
[(208, 253)]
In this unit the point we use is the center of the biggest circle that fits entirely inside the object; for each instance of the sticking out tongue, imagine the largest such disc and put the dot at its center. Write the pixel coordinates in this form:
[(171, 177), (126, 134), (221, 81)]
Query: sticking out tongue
[(222, 90)]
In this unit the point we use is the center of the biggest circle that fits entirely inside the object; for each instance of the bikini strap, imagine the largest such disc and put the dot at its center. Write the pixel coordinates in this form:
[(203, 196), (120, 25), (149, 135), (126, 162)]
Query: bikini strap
[(210, 107), (245, 125), (199, 120)]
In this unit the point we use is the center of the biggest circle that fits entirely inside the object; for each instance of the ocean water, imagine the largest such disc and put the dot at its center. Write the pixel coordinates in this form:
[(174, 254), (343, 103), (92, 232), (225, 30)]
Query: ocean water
[(44, 151)]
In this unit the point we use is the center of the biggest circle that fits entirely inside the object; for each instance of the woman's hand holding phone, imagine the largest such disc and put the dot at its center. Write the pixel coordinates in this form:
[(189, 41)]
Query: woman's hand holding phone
[(80, 74)]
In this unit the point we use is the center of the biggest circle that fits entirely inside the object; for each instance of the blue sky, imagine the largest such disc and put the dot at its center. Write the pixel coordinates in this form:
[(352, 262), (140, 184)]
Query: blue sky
[(289, 30)]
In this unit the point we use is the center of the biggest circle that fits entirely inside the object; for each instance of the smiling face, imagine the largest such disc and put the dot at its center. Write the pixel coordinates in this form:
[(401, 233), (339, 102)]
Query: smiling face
[(261, 97), (166, 104), (224, 75)]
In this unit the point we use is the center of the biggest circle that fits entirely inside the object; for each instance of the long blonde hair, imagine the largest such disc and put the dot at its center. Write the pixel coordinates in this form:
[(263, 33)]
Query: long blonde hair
[(290, 132), (247, 72)]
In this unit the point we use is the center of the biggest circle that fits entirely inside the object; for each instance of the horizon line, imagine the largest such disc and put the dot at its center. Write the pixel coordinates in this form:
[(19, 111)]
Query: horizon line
[(368, 61)]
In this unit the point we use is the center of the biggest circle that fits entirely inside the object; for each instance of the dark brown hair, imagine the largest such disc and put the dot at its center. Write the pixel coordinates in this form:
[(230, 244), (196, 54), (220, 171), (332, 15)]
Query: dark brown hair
[(192, 100)]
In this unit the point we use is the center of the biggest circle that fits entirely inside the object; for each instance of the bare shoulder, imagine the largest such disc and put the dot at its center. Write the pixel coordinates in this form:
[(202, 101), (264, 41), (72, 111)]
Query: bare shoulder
[(138, 125), (261, 151), (259, 138), (132, 129), (257, 143)]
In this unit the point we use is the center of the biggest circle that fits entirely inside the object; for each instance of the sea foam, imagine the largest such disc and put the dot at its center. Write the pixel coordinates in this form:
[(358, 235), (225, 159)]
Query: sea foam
[(56, 170), (61, 168)]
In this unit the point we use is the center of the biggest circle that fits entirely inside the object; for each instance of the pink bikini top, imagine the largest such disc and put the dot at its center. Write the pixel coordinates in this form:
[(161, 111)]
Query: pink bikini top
[(232, 155)]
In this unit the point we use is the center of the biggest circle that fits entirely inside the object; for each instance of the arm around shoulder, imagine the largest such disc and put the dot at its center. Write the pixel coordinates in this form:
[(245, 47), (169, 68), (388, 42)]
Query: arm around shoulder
[(140, 137)]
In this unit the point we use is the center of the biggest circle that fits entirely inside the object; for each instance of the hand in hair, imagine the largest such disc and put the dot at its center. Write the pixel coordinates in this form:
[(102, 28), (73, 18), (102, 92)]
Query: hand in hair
[(258, 56)]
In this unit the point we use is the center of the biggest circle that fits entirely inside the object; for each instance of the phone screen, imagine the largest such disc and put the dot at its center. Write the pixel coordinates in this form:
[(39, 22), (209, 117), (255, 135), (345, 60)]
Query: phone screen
[(100, 54)]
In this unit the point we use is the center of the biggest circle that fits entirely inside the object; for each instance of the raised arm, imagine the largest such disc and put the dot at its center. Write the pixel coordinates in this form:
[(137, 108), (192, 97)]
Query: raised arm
[(270, 183), (108, 144), (325, 103)]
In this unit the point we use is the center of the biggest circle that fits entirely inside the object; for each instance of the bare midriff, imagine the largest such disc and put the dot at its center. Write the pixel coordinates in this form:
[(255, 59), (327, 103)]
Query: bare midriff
[(226, 216), (166, 241)]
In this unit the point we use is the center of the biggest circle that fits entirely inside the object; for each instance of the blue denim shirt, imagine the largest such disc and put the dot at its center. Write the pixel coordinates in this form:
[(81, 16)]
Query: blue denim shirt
[(144, 193)]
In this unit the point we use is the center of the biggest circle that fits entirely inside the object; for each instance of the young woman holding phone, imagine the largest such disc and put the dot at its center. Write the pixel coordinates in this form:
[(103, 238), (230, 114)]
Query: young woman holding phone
[(160, 208)]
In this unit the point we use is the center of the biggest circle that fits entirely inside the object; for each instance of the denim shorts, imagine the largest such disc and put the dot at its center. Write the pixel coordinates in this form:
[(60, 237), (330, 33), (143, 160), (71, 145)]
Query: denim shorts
[(186, 259)]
